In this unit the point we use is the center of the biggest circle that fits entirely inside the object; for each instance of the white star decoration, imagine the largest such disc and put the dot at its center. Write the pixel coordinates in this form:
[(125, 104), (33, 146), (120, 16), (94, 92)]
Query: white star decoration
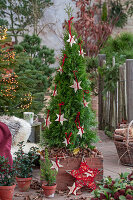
[(56, 165), (81, 131), (60, 70), (65, 142), (73, 189), (76, 86), (48, 122), (71, 40), (86, 103), (81, 53), (60, 118)]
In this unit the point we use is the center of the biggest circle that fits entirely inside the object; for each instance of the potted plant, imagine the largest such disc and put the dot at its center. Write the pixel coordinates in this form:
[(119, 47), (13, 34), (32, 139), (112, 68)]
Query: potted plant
[(7, 179), (24, 163), (119, 189), (48, 175)]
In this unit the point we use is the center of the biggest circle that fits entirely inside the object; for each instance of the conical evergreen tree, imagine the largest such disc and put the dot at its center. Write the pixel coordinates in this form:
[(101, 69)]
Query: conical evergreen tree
[(70, 119)]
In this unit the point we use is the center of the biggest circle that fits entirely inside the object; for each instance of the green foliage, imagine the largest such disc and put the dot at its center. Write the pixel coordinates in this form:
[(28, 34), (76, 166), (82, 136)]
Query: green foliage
[(24, 162), (119, 189), (22, 13), (31, 64), (35, 73), (122, 48), (47, 174), (104, 14), (73, 102), (117, 10), (92, 73), (7, 173)]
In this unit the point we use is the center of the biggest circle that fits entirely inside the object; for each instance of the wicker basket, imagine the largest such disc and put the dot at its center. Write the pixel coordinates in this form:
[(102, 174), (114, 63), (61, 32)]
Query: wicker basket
[(124, 148)]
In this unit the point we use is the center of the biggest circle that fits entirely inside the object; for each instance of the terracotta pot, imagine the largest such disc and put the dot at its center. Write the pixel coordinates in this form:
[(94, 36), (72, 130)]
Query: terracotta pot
[(49, 191), (23, 184), (6, 192)]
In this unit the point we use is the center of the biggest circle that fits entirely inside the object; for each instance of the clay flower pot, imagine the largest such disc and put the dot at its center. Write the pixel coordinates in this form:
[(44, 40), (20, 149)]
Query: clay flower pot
[(49, 191), (23, 184), (6, 192)]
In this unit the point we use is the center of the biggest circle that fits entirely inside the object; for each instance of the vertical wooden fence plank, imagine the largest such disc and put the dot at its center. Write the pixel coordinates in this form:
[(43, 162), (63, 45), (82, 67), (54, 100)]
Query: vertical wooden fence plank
[(102, 58), (129, 83)]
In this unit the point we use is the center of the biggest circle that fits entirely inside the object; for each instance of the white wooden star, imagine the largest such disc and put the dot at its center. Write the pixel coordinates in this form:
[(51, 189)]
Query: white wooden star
[(81, 53), (86, 103), (66, 142), (47, 122), (76, 86), (71, 40), (81, 131), (60, 70), (73, 189), (56, 165), (61, 118)]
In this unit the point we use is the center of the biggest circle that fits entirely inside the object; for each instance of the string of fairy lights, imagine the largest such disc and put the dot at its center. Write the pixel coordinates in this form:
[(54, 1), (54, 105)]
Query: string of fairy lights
[(8, 81), (3, 33), (10, 84)]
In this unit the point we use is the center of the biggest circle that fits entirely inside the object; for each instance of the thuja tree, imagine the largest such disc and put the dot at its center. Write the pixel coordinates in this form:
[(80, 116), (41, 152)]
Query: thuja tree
[(70, 119)]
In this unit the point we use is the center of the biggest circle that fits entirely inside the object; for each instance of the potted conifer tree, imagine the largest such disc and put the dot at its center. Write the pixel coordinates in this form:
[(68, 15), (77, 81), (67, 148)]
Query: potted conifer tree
[(69, 129), (7, 179), (24, 163), (48, 176)]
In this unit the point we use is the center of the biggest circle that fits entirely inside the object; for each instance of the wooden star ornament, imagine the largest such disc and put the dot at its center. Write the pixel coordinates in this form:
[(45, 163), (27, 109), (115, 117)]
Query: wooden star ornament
[(71, 40), (84, 177), (56, 165), (76, 86), (60, 118)]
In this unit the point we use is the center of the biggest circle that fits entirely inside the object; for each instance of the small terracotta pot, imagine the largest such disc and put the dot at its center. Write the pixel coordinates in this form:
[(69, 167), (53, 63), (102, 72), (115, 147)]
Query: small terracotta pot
[(49, 191), (23, 184), (6, 192)]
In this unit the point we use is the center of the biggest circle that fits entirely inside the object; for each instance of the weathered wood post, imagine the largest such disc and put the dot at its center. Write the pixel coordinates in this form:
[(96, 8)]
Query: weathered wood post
[(129, 85), (101, 59)]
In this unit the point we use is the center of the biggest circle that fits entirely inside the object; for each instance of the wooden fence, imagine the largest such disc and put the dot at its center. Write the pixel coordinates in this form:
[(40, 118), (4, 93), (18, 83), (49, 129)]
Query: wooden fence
[(117, 106)]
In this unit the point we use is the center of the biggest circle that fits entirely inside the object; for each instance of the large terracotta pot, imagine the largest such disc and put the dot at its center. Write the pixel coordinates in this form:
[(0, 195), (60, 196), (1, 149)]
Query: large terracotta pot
[(49, 191), (6, 192), (23, 184)]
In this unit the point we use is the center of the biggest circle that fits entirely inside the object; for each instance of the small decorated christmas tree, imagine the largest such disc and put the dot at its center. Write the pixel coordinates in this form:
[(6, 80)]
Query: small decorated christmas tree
[(70, 120)]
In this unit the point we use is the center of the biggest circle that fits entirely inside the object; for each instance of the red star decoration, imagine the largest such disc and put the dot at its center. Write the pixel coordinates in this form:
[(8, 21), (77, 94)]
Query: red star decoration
[(84, 176)]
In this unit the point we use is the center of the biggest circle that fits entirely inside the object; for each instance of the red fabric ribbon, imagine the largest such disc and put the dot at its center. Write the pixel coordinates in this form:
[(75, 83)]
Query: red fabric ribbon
[(57, 162), (63, 60), (68, 138), (87, 92), (80, 47), (47, 117), (54, 91), (78, 121), (76, 78), (69, 24), (60, 104)]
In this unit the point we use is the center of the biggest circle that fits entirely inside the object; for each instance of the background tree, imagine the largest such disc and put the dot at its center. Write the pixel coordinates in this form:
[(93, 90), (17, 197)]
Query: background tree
[(95, 24), (35, 74), (70, 119), (19, 14), (24, 75)]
